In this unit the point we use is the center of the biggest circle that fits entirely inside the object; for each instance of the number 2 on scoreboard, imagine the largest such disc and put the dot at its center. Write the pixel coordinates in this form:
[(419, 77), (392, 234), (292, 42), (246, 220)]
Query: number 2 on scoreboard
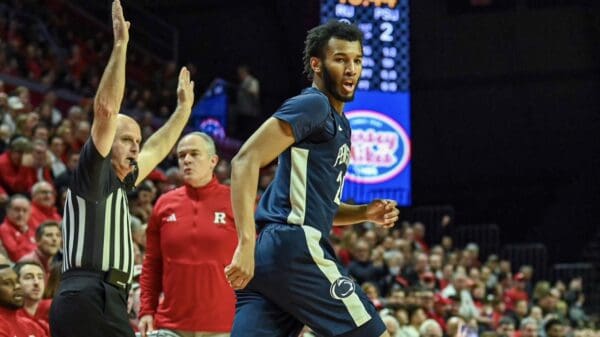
[(387, 30)]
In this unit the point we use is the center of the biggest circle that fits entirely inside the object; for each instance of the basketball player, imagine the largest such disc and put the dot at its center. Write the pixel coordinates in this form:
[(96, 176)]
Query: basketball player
[(289, 276)]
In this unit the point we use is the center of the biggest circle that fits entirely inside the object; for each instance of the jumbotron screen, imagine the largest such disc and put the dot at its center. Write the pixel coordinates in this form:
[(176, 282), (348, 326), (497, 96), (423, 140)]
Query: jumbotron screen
[(380, 113)]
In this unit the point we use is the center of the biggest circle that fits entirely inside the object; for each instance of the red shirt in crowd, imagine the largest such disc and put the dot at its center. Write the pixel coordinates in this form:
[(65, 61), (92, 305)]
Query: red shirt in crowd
[(14, 325), (41, 317), (16, 242), (191, 237), (16, 178), (41, 213), (514, 295)]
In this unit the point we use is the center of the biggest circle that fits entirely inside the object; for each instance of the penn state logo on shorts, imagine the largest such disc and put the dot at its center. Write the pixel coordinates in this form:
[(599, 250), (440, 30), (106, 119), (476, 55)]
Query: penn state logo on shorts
[(380, 147), (342, 288)]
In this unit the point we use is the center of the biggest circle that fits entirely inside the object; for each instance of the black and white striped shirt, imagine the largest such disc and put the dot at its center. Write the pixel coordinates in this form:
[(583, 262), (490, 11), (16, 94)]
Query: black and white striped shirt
[(96, 223)]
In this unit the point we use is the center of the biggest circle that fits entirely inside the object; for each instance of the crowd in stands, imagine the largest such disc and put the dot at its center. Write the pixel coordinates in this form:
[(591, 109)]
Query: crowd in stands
[(420, 288)]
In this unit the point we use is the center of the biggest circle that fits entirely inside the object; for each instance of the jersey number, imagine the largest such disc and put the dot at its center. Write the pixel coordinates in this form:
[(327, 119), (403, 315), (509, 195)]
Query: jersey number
[(338, 194)]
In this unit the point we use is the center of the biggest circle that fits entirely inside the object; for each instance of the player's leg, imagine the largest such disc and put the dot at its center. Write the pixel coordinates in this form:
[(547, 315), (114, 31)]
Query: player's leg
[(323, 297), (255, 316)]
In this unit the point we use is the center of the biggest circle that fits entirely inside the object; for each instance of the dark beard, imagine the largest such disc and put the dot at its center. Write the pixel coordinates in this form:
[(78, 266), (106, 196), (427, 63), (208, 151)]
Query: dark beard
[(330, 86), (12, 306)]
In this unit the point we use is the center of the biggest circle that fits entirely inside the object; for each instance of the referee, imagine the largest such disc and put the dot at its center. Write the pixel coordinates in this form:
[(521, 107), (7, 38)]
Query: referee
[(97, 245)]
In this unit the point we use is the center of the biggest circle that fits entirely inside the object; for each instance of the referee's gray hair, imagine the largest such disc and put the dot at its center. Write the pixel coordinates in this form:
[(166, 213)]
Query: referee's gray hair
[(210, 143)]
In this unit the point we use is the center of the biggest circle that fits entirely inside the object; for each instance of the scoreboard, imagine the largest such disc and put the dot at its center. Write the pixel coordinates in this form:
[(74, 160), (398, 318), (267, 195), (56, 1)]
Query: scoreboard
[(380, 113), (386, 39)]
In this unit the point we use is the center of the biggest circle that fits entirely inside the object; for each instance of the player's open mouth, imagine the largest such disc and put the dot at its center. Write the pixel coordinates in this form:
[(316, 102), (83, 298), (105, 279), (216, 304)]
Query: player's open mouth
[(348, 85)]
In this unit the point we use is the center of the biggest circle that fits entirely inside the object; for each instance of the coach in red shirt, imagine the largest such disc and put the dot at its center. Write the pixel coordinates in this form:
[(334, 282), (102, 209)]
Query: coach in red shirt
[(191, 236)]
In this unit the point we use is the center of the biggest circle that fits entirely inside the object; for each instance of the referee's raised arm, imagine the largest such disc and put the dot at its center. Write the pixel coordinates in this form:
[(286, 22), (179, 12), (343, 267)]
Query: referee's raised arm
[(109, 96)]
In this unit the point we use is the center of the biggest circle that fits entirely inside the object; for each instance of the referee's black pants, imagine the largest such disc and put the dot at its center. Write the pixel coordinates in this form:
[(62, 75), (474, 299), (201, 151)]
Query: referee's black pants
[(85, 305)]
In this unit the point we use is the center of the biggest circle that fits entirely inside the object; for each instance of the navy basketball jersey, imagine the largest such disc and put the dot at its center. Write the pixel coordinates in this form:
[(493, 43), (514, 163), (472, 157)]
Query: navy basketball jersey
[(310, 175)]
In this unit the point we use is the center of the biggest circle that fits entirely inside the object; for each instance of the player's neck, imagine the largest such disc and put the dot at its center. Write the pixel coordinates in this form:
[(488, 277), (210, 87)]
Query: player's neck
[(337, 105)]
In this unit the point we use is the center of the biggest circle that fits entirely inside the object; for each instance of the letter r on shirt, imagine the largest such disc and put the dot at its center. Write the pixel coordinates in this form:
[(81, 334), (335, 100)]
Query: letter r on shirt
[(219, 218)]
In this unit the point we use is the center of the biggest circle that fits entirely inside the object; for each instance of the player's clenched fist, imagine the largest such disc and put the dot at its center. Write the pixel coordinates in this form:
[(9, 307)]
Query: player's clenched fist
[(241, 270)]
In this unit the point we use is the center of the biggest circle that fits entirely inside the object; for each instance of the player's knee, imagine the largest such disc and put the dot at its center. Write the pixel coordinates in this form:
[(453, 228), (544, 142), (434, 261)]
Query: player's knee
[(385, 334)]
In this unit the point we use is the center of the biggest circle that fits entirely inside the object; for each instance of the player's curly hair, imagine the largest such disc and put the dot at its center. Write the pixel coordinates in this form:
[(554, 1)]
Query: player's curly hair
[(317, 39)]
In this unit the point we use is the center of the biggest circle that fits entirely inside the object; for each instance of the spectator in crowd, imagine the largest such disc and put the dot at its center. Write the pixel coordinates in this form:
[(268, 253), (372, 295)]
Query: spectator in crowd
[(191, 234), (527, 272), (412, 273), (40, 132), (53, 280), (5, 135), (62, 180), (416, 317), (41, 160), (43, 204), (453, 325), (528, 328), (11, 300), (57, 154), (419, 237), (459, 283), (430, 328), (554, 328), (548, 303), (33, 282), (362, 268), (49, 240), (506, 327), (17, 174), (516, 292), (372, 293), (441, 309), (391, 324), (246, 112), (520, 311), (138, 233), (17, 236)]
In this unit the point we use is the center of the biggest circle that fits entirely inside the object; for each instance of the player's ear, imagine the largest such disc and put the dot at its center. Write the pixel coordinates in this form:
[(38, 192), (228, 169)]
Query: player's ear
[(315, 64)]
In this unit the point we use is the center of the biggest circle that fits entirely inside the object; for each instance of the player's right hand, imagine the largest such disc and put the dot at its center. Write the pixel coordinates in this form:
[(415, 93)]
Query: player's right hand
[(120, 26), (146, 324), (241, 270)]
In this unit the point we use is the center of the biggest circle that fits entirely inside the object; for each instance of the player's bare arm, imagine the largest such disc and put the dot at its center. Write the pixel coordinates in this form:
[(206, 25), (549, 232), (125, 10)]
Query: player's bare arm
[(380, 212), (271, 139)]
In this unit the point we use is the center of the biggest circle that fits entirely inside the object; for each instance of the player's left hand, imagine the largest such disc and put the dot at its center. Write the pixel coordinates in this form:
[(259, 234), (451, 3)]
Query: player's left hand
[(383, 212)]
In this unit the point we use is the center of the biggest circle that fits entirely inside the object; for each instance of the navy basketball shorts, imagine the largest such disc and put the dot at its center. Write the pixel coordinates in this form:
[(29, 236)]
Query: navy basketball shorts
[(297, 281)]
